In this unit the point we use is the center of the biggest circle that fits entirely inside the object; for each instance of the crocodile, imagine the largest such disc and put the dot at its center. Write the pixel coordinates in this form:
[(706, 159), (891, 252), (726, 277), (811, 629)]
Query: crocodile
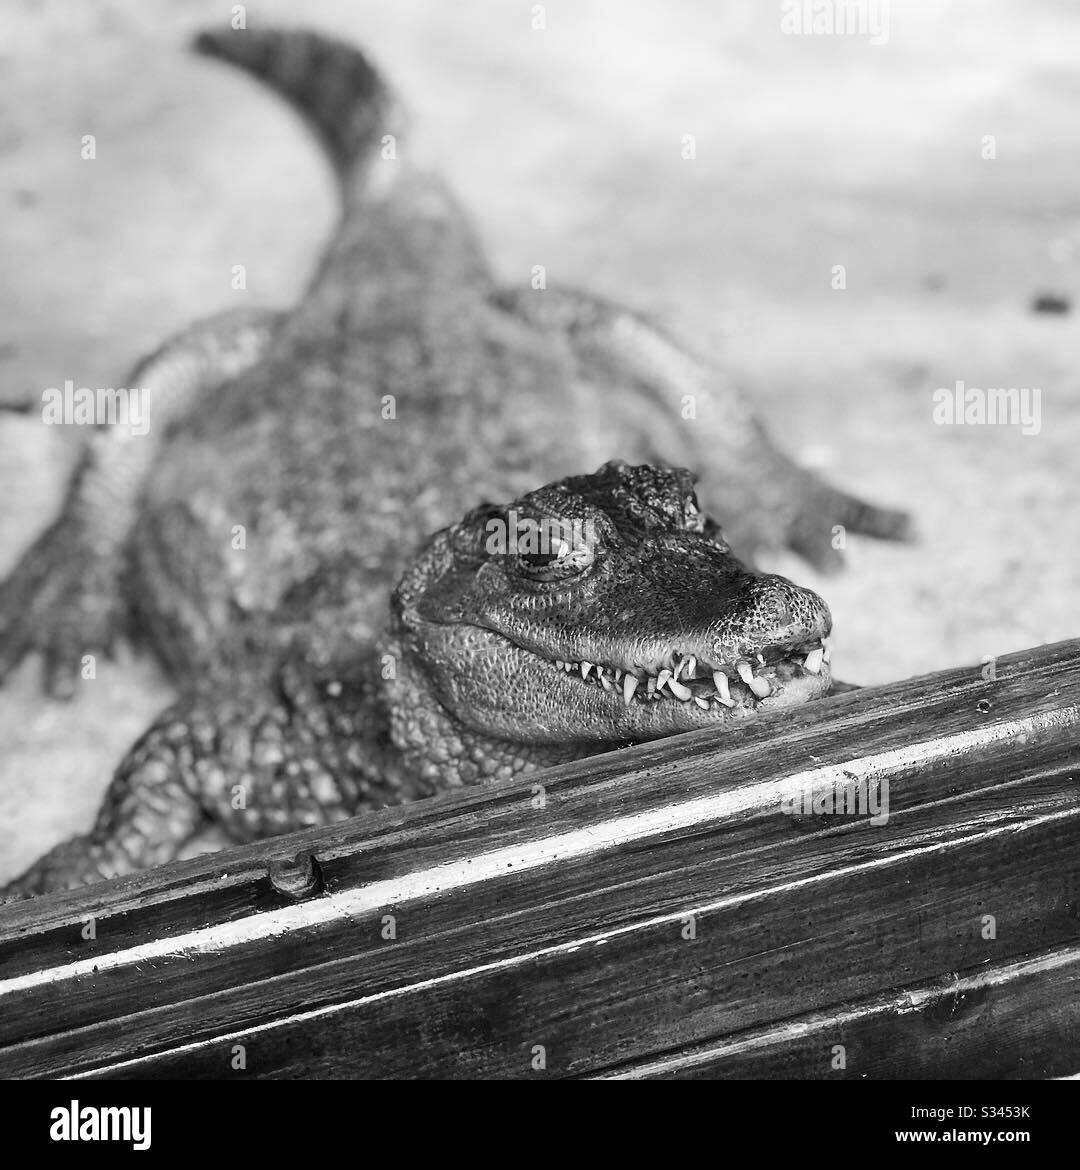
[(305, 536)]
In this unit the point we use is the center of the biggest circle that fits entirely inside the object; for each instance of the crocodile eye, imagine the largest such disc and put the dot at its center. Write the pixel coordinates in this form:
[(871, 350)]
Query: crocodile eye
[(558, 560)]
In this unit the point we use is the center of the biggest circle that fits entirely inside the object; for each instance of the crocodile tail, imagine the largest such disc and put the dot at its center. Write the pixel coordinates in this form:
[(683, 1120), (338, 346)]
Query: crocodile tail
[(333, 85)]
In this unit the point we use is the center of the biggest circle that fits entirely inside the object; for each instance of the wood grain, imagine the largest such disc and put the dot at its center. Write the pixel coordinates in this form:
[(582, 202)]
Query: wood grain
[(652, 912)]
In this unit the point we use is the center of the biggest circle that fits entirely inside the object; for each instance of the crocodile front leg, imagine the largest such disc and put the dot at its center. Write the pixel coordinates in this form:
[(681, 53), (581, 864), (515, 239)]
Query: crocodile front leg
[(65, 596), (233, 768)]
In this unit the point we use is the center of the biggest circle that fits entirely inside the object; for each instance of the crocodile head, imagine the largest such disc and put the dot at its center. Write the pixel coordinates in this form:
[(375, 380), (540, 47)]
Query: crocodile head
[(605, 609)]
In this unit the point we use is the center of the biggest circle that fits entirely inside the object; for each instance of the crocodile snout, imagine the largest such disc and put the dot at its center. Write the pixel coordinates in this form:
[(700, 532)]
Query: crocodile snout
[(776, 613)]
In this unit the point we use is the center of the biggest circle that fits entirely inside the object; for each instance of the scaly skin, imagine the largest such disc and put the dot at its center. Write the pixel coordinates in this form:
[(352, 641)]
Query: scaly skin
[(255, 540)]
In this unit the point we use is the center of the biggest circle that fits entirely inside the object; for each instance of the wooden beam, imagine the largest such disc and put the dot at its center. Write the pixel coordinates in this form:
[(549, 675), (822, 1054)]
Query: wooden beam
[(672, 909)]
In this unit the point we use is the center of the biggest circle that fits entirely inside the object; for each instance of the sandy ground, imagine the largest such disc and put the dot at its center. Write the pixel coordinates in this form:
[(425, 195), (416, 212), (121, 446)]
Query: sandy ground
[(811, 152)]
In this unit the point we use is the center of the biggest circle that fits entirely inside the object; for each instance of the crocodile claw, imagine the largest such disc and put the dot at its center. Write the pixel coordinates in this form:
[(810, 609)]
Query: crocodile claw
[(791, 507), (62, 600), (826, 514)]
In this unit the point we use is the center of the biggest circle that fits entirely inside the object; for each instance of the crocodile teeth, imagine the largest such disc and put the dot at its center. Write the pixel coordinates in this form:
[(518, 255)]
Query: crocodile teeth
[(723, 693), (684, 670), (760, 686)]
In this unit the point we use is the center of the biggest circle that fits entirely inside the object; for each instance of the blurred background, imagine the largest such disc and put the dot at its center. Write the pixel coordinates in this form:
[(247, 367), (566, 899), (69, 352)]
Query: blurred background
[(566, 142)]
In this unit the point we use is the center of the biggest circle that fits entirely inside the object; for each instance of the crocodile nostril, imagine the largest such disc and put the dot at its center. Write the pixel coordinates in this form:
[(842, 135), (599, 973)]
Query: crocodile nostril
[(772, 602), (788, 611)]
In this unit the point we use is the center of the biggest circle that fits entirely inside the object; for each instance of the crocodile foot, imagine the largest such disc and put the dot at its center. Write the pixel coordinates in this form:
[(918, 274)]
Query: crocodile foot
[(795, 508), (64, 600)]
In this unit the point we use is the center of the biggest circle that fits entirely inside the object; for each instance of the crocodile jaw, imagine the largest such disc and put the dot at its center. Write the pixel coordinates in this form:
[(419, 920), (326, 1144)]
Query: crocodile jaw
[(503, 690)]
